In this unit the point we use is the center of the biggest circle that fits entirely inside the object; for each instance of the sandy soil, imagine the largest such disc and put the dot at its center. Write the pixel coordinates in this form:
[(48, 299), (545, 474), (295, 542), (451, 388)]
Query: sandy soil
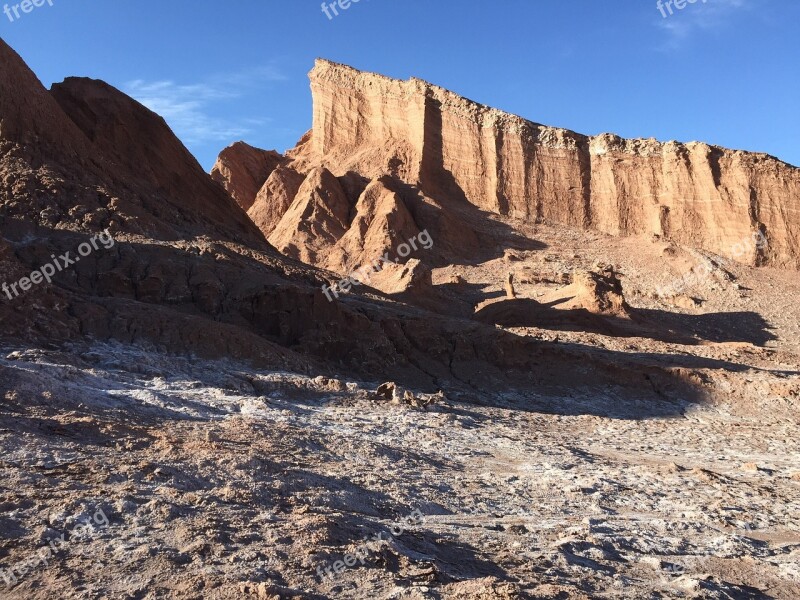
[(222, 482)]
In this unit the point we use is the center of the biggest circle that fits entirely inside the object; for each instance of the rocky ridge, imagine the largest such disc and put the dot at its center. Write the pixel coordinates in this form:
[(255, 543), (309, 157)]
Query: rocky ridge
[(447, 152)]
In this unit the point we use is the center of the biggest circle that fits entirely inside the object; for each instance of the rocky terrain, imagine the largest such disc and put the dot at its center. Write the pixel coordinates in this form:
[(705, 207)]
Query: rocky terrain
[(456, 152), (434, 351)]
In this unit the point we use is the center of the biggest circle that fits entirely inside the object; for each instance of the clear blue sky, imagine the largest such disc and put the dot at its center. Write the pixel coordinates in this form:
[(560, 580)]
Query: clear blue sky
[(723, 71)]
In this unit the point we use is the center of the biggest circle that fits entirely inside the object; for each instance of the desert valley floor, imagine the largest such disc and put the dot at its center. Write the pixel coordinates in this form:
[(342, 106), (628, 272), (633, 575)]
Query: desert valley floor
[(221, 480)]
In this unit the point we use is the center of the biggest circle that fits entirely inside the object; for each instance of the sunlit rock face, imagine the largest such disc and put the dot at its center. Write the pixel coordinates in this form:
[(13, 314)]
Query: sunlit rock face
[(455, 149)]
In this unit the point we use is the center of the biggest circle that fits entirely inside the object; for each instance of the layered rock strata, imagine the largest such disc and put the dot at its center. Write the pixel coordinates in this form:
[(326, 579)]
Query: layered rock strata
[(454, 150)]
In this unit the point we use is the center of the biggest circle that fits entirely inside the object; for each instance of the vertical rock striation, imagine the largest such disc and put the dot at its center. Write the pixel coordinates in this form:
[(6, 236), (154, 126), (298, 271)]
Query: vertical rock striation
[(454, 149)]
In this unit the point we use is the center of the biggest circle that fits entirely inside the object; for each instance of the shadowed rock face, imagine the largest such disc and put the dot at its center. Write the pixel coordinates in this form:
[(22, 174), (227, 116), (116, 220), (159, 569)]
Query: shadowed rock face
[(135, 148), (453, 149), (85, 157), (28, 113)]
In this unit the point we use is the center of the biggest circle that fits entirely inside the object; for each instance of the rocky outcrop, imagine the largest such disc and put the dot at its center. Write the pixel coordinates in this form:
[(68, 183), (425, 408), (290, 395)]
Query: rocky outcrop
[(413, 279), (598, 292), (454, 150), (159, 182), (274, 198), (441, 156), (242, 170), (316, 219), (381, 222)]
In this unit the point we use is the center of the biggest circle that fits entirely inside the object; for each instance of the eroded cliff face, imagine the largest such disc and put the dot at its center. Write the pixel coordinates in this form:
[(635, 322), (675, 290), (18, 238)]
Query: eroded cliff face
[(454, 149)]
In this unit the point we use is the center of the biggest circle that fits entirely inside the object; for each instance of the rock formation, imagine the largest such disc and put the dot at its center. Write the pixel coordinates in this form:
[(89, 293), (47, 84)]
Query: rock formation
[(510, 291), (242, 170), (598, 292), (316, 219), (454, 148), (381, 220), (189, 273), (131, 146), (274, 198), (412, 278), (455, 151)]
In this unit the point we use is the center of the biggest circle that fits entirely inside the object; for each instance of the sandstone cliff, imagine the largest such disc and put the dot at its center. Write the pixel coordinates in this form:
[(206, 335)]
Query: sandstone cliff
[(697, 194), (454, 150)]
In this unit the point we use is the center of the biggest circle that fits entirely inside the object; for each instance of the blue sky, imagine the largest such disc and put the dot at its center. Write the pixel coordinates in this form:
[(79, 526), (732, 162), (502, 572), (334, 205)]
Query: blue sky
[(724, 71)]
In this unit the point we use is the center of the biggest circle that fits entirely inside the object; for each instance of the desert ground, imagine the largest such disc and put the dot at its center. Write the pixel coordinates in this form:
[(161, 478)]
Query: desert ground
[(220, 480)]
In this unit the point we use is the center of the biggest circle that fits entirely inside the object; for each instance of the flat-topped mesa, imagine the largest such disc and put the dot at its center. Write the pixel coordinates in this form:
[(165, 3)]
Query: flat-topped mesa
[(699, 195)]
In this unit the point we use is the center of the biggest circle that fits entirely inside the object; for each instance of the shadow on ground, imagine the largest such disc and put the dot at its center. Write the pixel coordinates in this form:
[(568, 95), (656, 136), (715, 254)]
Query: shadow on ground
[(664, 326)]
